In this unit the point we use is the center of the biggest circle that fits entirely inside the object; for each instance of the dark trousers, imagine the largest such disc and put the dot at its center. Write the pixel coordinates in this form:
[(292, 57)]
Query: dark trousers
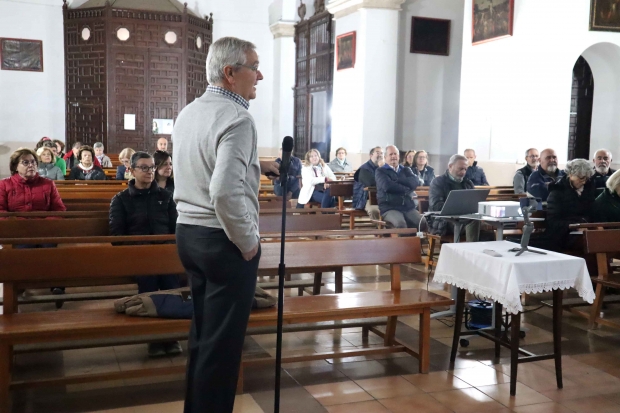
[(277, 189), (223, 286), (323, 197)]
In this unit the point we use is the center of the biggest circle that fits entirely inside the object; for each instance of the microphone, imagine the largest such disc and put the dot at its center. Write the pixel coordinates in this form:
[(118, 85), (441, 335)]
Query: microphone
[(287, 148)]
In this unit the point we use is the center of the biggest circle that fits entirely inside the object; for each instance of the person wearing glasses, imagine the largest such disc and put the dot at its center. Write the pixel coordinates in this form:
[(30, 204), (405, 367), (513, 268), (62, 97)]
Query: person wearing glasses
[(546, 174), (86, 170), (420, 167), (522, 175), (123, 172), (25, 190), (144, 208), (163, 173)]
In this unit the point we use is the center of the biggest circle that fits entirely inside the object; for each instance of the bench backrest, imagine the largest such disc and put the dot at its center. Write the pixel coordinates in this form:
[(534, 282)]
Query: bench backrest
[(273, 223), (602, 241)]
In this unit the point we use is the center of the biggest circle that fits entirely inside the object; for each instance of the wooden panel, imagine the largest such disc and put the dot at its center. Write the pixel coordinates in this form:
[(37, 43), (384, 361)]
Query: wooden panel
[(602, 241), (273, 223), (77, 227)]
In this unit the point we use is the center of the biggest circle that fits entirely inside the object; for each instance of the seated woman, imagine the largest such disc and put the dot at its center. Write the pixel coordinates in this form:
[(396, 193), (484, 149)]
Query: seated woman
[(86, 170), (60, 146), (315, 178), (570, 201), (163, 173), (122, 172), (339, 163), (146, 209), (104, 160), (425, 173), (607, 205), (409, 159), (47, 165), (60, 163)]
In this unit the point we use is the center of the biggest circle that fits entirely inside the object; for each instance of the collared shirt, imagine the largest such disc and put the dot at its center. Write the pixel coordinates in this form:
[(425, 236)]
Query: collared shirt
[(396, 169), (231, 95)]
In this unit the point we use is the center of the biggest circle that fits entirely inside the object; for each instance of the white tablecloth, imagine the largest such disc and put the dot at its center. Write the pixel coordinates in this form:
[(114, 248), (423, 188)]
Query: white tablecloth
[(503, 279)]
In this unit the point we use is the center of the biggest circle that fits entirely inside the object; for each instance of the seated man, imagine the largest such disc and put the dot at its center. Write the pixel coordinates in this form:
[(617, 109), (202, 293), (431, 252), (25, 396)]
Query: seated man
[(602, 161), (162, 144), (547, 173), (365, 177), (395, 191), (144, 208), (294, 172), (519, 182), (454, 178), (474, 172)]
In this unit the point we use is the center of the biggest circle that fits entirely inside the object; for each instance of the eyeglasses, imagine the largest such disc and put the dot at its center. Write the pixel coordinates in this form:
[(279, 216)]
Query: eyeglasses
[(145, 168), (252, 68), (28, 163)]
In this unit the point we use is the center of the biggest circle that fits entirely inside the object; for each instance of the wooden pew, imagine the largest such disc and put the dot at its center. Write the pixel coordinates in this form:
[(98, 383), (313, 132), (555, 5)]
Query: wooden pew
[(24, 267), (344, 190)]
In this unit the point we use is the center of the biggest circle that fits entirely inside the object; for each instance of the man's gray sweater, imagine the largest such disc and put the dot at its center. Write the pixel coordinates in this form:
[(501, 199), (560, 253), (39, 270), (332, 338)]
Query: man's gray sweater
[(216, 168)]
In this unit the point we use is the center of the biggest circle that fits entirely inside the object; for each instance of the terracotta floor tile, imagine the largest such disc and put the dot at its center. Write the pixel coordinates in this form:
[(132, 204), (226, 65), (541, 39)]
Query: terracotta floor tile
[(596, 404), (469, 400), (338, 393), (436, 381), (245, 403), (552, 407), (481, 376), (359, 407), (388, 387), (414, 404), (535, 377), (524, 396)]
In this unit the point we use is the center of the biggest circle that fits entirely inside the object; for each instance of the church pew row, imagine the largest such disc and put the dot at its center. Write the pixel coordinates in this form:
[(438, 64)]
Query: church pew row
[(25, 267)]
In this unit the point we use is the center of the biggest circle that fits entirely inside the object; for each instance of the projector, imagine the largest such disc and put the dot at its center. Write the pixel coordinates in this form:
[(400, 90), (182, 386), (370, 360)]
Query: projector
[(500, 209)]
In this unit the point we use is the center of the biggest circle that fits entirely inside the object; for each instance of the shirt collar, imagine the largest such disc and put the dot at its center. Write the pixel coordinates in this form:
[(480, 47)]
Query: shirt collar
[(391, 167), (231, 95)]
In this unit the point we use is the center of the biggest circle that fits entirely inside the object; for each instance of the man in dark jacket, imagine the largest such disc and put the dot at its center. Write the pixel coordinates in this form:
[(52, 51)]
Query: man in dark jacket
[(395, 191), (522, 175), (146, 209), (602, 161), (454, 178), (474, 172), (365, 177), (547, 173), (294, 172)]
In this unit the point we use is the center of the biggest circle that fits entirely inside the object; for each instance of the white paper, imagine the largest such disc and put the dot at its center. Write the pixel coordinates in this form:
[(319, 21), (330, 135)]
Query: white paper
[(130, 122)]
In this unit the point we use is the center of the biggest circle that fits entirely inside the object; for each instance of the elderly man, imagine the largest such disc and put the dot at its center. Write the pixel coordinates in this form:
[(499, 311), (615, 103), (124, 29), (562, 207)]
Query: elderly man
[(519, 182), (454, 178), (162, 144), (547, 173), (602, 161), (474, 172), (365, 177), (395, 191), (216, 190)]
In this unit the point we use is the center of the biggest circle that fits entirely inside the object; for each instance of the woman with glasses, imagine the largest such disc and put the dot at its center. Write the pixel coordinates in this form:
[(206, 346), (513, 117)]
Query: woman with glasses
[(86, 170), (425, 173), (163, 173), (146, 209), (122, 172), (25, 190)]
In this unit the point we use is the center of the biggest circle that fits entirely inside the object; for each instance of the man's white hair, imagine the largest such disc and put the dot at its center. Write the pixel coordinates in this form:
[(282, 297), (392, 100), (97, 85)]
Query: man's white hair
[(392, 146), (227, 51), (599, 150), (455, 158)]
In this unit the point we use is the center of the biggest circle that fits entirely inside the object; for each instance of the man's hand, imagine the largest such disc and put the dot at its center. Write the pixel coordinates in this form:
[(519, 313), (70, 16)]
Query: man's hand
[(250, 254), (269, 166)]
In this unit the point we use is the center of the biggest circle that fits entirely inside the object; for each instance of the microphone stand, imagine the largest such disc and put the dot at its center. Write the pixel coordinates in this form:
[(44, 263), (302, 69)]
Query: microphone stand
[(281, 276)]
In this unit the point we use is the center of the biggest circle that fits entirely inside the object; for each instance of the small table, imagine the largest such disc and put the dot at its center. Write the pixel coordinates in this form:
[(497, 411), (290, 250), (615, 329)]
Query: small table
[(503, 279)]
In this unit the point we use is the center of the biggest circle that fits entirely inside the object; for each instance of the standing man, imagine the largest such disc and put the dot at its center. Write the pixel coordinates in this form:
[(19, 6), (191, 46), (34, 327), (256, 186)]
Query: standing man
[(519, 182), (474, 172), (365, 177), (602, 162), (547, 173), (162, 144), (216, 190)]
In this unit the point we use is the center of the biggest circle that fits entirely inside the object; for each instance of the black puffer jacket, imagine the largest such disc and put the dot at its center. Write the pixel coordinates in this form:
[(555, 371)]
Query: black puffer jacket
[(143, 211), (441, 186), (607, 207)]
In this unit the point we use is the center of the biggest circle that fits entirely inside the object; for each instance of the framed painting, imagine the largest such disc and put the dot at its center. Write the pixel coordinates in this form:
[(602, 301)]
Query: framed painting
[(21, 54), (491, 20), (605, 15), (430, 36), (345, 51)]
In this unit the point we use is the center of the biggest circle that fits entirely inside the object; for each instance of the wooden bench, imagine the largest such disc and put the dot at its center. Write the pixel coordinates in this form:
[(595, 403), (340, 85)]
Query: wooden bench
[(20, 268), (344, 191)]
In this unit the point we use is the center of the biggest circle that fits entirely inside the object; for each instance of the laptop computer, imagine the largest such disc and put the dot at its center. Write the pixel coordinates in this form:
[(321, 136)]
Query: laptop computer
[(463, 202)]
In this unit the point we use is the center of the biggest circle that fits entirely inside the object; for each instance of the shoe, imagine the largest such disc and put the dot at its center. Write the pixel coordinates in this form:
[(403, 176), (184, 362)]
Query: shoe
[(173, 348), (58, 290), (156, 350)]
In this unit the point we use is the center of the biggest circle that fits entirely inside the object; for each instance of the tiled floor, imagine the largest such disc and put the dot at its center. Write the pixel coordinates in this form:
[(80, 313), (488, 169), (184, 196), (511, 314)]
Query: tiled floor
[(384, 383)]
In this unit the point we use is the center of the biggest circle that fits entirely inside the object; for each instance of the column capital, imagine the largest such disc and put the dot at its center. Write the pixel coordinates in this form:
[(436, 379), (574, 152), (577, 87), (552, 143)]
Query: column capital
[(341, 8), (282, 29)]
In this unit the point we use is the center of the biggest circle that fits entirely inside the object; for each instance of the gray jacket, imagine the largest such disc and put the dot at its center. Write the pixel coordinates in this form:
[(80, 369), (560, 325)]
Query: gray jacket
[(335, 166), (50, 171)]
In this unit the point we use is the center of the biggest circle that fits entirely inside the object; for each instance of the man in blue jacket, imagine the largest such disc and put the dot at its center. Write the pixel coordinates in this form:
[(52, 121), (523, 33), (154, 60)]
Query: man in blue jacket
[(474, 172), (294, 172), (395, 191), (547, 172), (365, 177)]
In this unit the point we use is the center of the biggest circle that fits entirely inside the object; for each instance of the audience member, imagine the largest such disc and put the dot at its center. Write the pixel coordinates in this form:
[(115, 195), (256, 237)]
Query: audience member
[(162, 144), (365, 177), (474, 172), (41, 142), (425, 173), (339, 163), (294, 171), (123, 172), (395, 191), (47, 165), (409, 159), (546, 173), (315, 178), (453, 179), (86, 168), (71, 158), (104, 160), (163, 171), (519, 182), (570, 201), (25, 190), (607, 205), (602, 161), (144, 208), (60, 145), (60, 163)]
